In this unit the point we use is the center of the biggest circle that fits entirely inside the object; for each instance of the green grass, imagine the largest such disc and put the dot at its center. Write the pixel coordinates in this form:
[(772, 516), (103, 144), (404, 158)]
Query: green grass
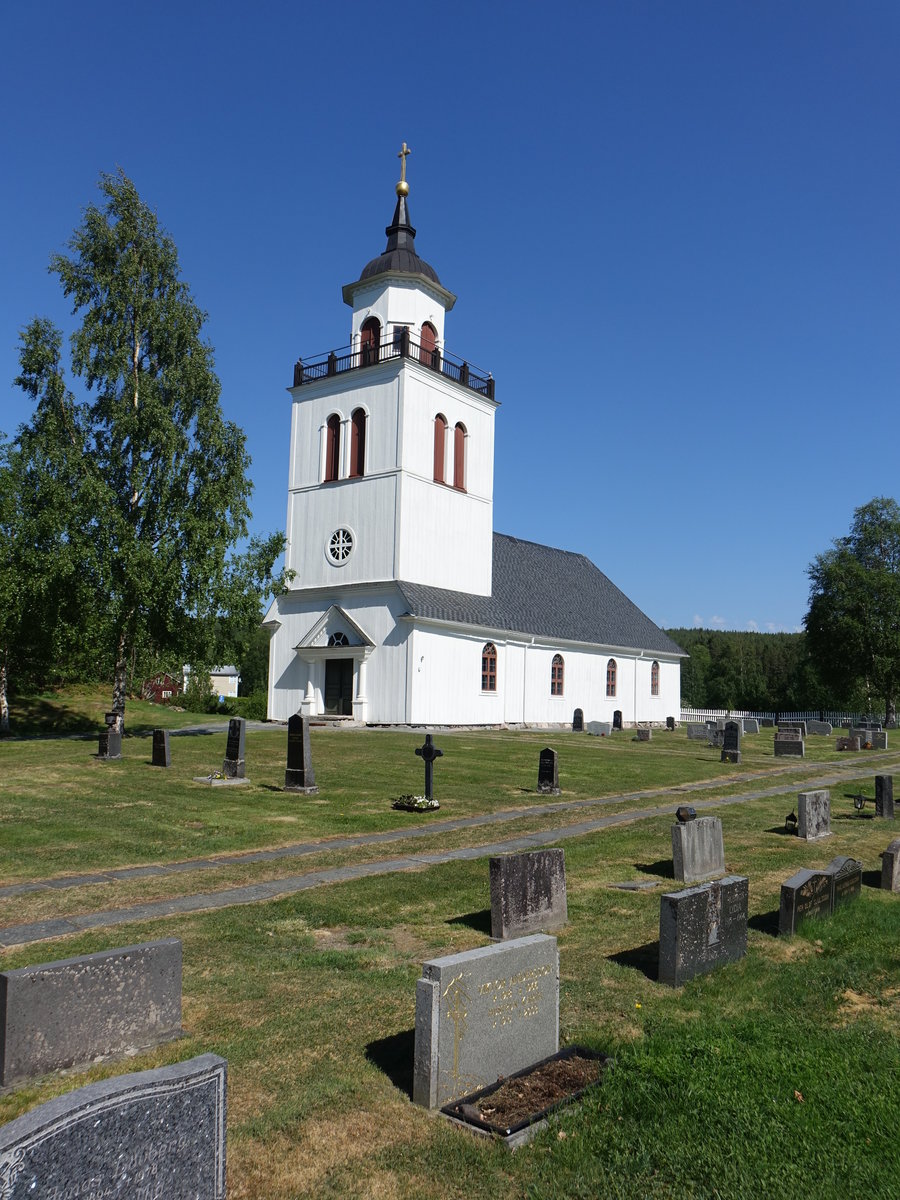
[(80, 709), (311, 998)]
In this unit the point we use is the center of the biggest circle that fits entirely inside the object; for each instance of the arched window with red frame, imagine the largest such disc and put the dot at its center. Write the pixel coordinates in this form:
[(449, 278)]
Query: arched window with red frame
[(611, 677), (333, 448), (357, 443), (427, 344), (369, 341), (654, 679), (459, 457), (440, 447), (489, 667), (557, 670)]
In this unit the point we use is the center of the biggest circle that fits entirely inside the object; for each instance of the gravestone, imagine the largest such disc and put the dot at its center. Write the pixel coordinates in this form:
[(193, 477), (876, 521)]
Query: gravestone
[(150, 1135), (714, 736), (233, 765), (879, 739), (813, 815), (702, 928), (162, 755), (766, 722), (866, 736), (670, 723), (890, 867), (731, 742), (599, 728), (884, 797), (528, 893), (482, 1014), (696, 732), (800, 726), (751, 725), (299, 775), (617, 719), (698, 849), (789, 742), (66, 1013), (578, 721), (815, 893), (644, 735), (548, 772), (847, 743), (819, 728), (428, 753), (109, 744)]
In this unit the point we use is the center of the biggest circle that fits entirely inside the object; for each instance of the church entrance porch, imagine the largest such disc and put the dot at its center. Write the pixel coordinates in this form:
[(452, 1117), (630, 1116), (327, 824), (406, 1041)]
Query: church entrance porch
[(339, 687)]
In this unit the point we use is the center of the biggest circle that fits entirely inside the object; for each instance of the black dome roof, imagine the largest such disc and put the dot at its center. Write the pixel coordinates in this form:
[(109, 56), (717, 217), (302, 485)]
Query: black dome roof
[(400, 253)]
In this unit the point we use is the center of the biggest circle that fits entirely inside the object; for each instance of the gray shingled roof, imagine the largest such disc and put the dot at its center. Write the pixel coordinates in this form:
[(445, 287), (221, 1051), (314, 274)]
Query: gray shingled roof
[(545, 592), (400, 253)]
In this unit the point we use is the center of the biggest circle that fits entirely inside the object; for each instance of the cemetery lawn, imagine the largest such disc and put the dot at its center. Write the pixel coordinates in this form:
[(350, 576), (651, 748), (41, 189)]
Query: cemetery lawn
[(776, 1076), (77, 709)]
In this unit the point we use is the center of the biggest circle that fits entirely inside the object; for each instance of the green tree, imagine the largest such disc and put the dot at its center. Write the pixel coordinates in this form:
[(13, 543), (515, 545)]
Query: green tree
[(853, 623), (158, 487)]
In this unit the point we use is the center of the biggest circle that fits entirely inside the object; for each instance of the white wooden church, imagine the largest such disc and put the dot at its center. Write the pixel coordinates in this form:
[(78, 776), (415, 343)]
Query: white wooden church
[(405, 607)]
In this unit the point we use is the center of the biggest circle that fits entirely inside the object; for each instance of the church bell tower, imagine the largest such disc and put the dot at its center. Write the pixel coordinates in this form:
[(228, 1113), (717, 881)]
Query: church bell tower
[(392, 438)]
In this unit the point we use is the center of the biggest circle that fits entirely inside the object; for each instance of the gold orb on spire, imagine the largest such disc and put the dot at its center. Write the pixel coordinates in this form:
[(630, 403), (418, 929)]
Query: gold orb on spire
[(402, 188)]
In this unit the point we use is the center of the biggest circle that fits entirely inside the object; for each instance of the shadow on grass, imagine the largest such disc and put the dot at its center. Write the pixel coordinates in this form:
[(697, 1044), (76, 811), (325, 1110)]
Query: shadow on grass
[(394, 1056), (479, 921), (872, 879), (664, 868), (854, 816), (766, 922), (642, 958), (782, 830)]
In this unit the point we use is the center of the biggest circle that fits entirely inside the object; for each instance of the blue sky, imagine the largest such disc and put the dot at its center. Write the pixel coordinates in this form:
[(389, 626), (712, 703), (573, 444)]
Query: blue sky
[(672, 229)]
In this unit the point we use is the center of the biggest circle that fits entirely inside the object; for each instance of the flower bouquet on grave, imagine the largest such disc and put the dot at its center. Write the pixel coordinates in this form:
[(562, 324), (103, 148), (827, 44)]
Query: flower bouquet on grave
[(415, 803)]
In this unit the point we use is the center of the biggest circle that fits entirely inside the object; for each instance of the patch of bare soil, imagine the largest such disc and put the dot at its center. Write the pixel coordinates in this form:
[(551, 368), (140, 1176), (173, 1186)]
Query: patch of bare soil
[(518, 1099)]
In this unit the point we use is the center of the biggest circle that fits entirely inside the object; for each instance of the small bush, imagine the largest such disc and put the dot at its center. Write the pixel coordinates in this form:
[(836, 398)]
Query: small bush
[(253, 707)]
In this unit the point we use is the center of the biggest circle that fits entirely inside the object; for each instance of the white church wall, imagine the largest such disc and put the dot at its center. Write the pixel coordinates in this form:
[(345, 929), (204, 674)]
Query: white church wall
[(365, 507), (400, 303), (445, 538)]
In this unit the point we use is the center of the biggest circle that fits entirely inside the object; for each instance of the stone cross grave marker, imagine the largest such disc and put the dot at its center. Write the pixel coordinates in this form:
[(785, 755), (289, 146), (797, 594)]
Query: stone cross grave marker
[(157, 1134), (548, 772), (702, 928), (162, 755), (299, 775), (731, 742), (68, 1012), (890, 867), (884, 797), (482, 1014), (698, 849), (233, 765), (816, 893), (528, 893), (428, 753), (578, 721), (813, 815)]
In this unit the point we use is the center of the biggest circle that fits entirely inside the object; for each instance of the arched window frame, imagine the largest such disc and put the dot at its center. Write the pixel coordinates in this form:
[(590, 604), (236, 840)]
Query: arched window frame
[(654, 678), (611, 671), (557, 675), (358, 421), (332, 448), (369, 341), (489, 667), (339, 638), (440, 448), (428, 344), (460, 437)]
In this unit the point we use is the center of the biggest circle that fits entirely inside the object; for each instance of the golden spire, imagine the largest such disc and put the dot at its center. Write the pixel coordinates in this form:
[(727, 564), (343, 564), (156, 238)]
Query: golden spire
[(402, 188)]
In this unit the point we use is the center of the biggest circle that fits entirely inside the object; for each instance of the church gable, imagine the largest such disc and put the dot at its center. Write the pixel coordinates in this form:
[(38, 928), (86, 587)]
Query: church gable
[(334, 628)]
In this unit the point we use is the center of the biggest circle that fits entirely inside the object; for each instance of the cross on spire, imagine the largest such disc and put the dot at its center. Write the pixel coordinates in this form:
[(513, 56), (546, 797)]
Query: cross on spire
[(402, 156)]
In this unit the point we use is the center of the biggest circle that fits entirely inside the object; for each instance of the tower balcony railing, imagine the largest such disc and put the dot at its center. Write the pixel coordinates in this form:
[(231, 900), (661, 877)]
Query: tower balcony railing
[(402, 345)]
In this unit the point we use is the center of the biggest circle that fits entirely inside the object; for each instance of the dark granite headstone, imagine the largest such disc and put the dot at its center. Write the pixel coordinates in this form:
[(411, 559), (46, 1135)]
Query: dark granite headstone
[(800, 726), (110, 744), (66, 1013), (528, 893), (879, 739), (789, 742), (847, 743), (162, 755), (578, 721), (644, 735), (884, 797), (548, 772), (846, 879), (150, 1135), (617, 719), (817, 893), (702, 928), (299, 775), (233, 766), (890, 867), (696, 732), (670, 723), (731, 742)]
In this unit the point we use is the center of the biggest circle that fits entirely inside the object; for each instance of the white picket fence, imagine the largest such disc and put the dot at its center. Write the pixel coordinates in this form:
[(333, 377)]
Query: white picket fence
[(699, 715)]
